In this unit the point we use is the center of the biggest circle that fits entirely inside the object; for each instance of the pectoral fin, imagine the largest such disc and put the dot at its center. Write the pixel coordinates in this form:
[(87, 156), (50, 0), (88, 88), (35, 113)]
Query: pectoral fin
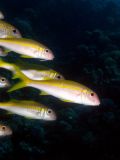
[(25, 56), (43, 60), (64, 100), (9, 113), (42, 93), (7, 51)]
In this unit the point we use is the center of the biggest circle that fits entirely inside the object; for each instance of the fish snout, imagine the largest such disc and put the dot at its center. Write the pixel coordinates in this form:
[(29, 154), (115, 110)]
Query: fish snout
[(53, 116), (50, 56), (96, 101)]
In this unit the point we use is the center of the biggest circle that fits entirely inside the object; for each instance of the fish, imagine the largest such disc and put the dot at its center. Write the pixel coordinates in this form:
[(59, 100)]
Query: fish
[(4, 83), (32, 71), (29, 109), (66, 90), (8, 31), (1, 15), (5, 130), (27, 48)]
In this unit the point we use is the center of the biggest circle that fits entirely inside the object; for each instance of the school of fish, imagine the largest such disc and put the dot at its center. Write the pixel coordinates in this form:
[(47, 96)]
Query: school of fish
[(45, 79)]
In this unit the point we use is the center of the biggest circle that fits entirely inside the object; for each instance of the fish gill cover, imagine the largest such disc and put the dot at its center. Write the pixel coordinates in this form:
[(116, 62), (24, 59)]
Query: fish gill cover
[(85, 37)]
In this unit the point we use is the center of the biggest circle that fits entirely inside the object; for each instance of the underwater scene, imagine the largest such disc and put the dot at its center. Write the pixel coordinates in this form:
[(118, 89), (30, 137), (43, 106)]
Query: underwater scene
[(59, 79)]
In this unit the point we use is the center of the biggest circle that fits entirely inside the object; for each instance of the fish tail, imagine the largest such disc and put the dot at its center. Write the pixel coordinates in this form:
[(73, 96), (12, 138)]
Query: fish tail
[(23, 83), (19, 74), (17, 86)]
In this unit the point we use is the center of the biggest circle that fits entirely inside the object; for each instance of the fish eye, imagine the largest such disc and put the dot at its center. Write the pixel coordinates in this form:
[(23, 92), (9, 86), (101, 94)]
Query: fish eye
[(58, 76), (3, 128), (3, 79), (14, 31), (47, 50), (92, 94), (49, 111)]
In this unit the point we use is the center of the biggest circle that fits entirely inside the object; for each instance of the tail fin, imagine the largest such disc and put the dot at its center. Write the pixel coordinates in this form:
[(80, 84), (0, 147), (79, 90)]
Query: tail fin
[(17, 86), (19, 74), (23, 83)]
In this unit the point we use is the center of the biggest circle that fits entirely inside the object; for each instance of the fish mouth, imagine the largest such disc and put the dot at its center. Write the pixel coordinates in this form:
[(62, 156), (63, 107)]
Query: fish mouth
[(50, 56), (54, 117), (97, 103)]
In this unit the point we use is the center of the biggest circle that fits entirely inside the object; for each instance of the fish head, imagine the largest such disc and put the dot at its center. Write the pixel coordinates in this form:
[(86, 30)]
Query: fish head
[(9, 31), (5, 130), (4, 82), (46, 114), (50, 115), (45, 53), (88, 97), (15, 33)]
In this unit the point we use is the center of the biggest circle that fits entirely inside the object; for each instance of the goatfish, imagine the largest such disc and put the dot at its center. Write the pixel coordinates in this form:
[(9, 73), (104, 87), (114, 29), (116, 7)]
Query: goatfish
[(8, 31), (68, 91), (29, 109), (27, 48), (32, 71), (5, 130)]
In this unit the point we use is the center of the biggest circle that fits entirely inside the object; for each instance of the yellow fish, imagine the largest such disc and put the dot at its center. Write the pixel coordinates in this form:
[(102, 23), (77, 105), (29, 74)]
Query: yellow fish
[(32, 71), (8, 31), (27, 48), (29, 109), (69, 91), (5, 130)]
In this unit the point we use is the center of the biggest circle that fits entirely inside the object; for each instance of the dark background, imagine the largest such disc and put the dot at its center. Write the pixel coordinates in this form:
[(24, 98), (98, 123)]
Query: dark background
[(85, 38)]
